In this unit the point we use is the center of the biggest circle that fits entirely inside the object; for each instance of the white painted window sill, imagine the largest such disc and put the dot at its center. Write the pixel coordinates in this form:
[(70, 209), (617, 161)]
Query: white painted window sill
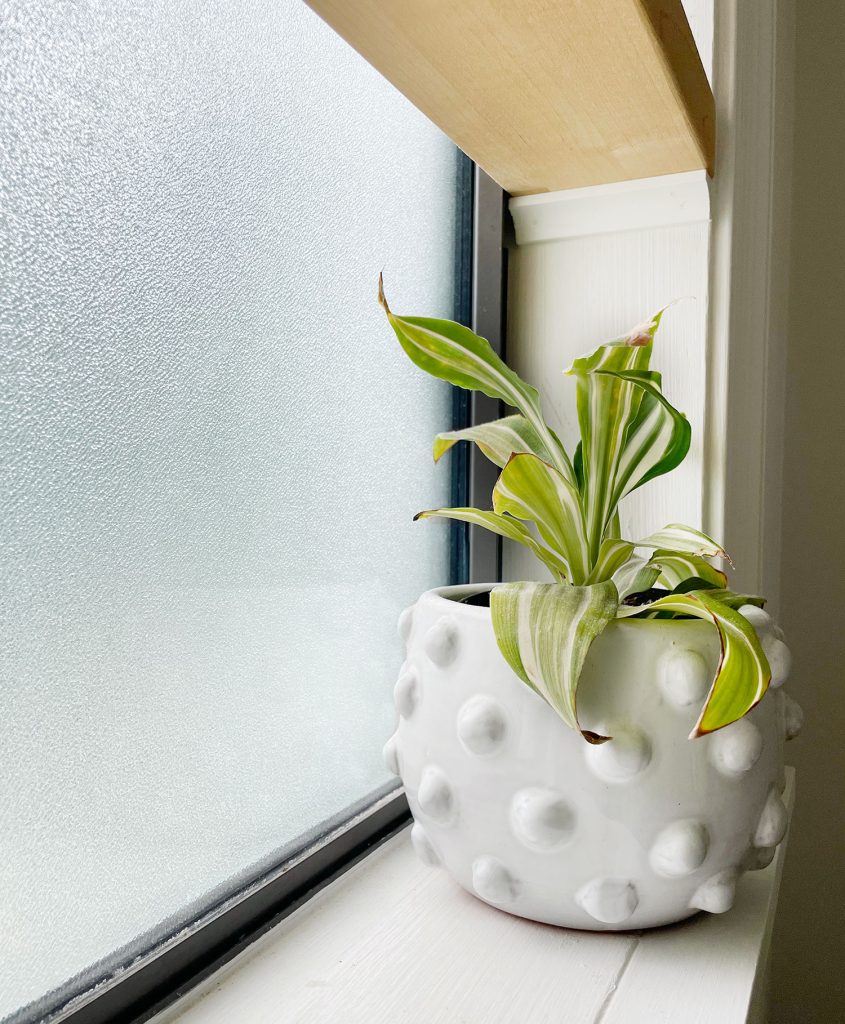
[(394, 942)]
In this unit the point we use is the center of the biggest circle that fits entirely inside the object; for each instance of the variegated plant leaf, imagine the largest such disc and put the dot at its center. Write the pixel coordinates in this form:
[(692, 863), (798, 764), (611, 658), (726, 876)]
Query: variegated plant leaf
[(567, 514), (743, 673), (607, 407), (531, 489), (613, 554), (677, 537), (544, 631), (578, 466), (636, 575), (456, 354), (497, 440), (504, 526), (734, 600), (616, 353), (677, 566), (658, 438)]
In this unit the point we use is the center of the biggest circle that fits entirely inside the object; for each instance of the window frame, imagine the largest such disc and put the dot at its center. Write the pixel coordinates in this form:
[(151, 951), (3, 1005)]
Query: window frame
[(135, 992)]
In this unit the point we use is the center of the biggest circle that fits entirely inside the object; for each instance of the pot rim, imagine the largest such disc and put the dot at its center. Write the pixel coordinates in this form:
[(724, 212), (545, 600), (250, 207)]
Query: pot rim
[(452, 596)]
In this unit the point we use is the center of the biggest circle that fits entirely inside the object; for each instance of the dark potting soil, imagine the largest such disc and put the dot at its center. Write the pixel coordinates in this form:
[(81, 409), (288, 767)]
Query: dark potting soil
[(482, 600), (644, 597)]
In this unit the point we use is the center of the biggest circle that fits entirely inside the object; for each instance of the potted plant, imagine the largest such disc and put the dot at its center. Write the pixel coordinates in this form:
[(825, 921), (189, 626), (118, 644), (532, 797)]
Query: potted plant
[(605, 750)]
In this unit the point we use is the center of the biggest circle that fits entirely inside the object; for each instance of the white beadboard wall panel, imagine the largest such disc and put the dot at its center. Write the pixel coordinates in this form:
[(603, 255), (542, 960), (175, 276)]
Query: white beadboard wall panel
[(570, 294)]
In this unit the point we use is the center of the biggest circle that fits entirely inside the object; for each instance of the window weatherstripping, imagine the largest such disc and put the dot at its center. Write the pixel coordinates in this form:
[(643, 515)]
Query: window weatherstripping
[(489, 276), (166, 972), (139, 990)]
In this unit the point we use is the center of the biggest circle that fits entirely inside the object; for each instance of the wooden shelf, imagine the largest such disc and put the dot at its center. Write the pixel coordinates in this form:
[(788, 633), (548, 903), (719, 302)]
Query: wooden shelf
[(545, 94)]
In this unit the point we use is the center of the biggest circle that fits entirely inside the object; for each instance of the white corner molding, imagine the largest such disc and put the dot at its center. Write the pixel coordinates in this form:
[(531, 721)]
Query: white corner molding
[(605, 209), (746, 365)]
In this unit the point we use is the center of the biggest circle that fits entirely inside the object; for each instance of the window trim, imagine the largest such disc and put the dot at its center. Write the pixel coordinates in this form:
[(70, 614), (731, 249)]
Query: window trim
[(135, 993), (490, 218)]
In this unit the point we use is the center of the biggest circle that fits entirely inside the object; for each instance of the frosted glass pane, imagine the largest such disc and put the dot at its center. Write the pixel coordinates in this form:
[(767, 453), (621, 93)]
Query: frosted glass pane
[(212, 449)]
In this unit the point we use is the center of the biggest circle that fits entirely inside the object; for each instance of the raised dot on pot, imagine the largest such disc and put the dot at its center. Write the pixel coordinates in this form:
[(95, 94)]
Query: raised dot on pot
[(441, 642), (609, 900), (684, 678), (541, 819), (492, 881), (621, 758), (735, 750), (435, 796), (717, 894), (481, 725)]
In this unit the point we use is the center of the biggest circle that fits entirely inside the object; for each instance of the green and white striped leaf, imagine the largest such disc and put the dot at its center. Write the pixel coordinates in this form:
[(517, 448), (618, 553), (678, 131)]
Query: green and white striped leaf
[(454, 353), (635, 575), (676, 567), (504, 526), (497, 440), (607, 406), (616, 354), (734, 600), (613, 554), (743, 673), (545, 630), (531, 489), (680, 538), (657, 440)]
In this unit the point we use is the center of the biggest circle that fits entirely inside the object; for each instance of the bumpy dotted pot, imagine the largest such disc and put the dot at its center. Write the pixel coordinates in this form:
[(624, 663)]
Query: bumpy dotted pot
[(640, 831)]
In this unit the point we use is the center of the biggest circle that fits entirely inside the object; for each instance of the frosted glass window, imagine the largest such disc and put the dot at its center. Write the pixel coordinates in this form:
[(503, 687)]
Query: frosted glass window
[(212, 449)]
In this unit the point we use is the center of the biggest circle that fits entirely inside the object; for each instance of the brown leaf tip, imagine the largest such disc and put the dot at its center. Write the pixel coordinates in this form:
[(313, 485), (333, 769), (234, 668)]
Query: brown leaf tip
[(381, 299), (594, 737)]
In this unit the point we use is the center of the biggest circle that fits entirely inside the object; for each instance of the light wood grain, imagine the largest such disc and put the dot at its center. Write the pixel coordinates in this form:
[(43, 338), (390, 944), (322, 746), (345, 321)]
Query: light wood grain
[(393, 942), (545, 94)]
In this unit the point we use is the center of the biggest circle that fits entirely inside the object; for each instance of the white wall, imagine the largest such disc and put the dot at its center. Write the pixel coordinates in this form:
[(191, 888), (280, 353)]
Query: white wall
[(809, 950)]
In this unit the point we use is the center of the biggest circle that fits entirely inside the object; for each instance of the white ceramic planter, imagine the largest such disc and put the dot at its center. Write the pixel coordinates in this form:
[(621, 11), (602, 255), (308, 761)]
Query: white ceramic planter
[(640, 831)]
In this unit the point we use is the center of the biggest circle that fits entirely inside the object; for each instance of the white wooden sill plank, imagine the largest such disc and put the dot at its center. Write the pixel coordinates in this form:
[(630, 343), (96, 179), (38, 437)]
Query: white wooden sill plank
[(394, 942), (711, 969)]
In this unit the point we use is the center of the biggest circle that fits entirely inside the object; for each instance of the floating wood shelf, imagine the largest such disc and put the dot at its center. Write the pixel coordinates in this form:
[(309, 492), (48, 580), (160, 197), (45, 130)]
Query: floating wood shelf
[(545, 94)]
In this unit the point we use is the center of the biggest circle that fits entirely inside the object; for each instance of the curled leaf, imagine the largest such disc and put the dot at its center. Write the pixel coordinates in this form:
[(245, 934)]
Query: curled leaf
[(743, 673), (686, 539), (498, 440), (544, 631), (454, 353), (504, 526)]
